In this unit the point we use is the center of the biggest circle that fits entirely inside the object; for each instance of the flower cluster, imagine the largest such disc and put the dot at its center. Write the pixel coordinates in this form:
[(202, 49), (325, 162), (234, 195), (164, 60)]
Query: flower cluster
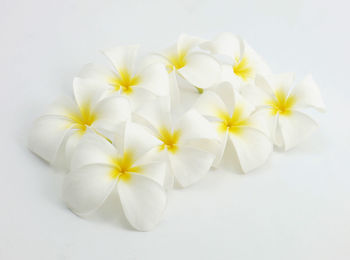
[(130, 129)]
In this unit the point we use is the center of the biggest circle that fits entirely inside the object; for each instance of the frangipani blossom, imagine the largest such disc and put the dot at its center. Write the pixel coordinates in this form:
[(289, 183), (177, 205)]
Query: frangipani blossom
[(54, 135), (244, 63), (181, 142), (281, 105), (130, 78), (199, 69), (99, 168), (235, 122)]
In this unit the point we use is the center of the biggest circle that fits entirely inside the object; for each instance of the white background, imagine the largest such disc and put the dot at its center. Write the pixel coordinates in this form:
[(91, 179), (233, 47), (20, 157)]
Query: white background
[(297, 206)]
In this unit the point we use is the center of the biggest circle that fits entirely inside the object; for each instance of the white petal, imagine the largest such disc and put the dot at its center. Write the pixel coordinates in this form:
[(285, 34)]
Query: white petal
[(227, 75), (143, 201), (187, 42), (259, 66), (123, 57), (156, 113), (209, 104), (47, 135), (85, 189), (152, 59), (282, 82), (307, 94), (71, 142), (93, 149), (227, 94), (139, 140), (252, 148), (221, 149), (87, 91), (245, 107), (256, 94), (97, 72), (265, 121), (225, 44), (264, 85), (155, 171), (295, 128), (194, 126), (201, 70), (110, 112), (64, 106), (139, 97), (189, 164), (155, 78), (174, 90)]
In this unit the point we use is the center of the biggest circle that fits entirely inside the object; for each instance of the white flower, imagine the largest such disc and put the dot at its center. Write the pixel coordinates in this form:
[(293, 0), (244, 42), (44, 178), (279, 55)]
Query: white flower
[(54, 135), (183, 142), (281, 105), (235, 121), (99, 167), (243, 64), (197, 68), (136, 80)]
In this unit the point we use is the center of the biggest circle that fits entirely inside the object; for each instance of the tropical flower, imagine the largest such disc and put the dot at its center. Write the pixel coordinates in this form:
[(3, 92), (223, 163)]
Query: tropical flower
[(183, 142), (182, 59), (54, 135), (234, 120), (100, 167), (281, 105), (243, 62), (136, 80)]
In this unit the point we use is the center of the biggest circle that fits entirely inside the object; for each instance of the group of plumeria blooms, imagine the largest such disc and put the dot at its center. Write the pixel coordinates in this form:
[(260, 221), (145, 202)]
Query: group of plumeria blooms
[(127, 129)]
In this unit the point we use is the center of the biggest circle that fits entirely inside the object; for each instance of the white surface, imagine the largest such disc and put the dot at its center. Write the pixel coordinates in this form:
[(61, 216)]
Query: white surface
[(295, 207)]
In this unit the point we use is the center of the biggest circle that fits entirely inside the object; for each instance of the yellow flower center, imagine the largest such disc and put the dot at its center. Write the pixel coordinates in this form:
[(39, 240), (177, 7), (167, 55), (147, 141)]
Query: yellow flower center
[(83, 119), (282, 103), (242, 68), (125, 81), (232, 123), (177, 61), (123, 166), (169, 139)]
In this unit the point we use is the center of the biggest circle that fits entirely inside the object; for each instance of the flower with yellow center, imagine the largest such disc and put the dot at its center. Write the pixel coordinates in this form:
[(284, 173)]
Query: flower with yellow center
[(282, 103), (235, 121), (169, 139), (124, 166), (99, 168), (282, 106), (232, 123), (181, 142), (55, 135), (243, 69), (138, 81), (124, 82), (182, 60), (244, 62)]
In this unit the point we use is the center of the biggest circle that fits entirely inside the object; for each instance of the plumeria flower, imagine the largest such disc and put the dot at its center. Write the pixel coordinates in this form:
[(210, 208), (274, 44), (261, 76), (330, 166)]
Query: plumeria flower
[(243, 62), (100, 168), (234, 120), (182, 142), (282, 106), (136, 80), (54, 135), (182, 60)]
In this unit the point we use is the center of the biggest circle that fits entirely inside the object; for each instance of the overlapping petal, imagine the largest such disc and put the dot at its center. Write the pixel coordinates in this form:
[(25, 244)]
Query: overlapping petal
[(47, 134), (143, 201), (132, 130), (280, 105), (201, 70), (85, 189), (189, 164)]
